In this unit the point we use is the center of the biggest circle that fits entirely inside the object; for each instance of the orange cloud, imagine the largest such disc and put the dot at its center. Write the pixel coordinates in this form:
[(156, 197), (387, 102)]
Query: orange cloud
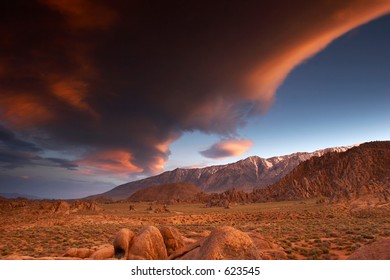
[(121, 162), (157, 165), (114, 161), (228, 148), (163, 146), (23, 110), (264, 80), (83, 14), (74, 93)]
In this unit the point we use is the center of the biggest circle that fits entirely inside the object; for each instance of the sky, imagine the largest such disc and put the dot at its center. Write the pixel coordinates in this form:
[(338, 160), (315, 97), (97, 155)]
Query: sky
[(94, 94)]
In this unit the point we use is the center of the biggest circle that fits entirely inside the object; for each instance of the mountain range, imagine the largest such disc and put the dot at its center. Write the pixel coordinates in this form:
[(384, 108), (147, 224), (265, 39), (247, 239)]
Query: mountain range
[(18, 195), (248, 174)]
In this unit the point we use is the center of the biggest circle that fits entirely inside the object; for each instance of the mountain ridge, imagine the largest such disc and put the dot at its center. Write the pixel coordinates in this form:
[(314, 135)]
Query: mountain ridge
[(19, 195), (247, 174)]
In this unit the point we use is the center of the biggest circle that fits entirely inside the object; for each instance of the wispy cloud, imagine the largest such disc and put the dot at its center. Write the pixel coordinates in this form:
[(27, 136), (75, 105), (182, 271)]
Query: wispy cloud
[(227, 148), (115, 161), (15, 153)]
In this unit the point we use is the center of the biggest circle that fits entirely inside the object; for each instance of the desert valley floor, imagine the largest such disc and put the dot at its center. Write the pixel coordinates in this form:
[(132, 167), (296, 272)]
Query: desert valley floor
[(303, 229)]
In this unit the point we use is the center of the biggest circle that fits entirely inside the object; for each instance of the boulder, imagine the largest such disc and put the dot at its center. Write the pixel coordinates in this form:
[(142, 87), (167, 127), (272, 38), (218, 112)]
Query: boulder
[(148, 244), (104, 252), (378, 250), (122, 243), (172, 238), (225, 243), (82, 253), (16, 256)]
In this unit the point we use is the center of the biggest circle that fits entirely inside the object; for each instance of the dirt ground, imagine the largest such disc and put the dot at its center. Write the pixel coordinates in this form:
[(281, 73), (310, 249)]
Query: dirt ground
[(305, 229)]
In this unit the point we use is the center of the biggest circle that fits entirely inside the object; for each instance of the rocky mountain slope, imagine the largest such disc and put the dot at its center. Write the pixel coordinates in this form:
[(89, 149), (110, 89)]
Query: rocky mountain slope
[(247, 174), (169, 192), (361, 173)]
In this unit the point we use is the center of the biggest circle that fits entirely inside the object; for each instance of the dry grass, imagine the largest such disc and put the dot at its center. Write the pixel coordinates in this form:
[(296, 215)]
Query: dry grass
[(304, 229)]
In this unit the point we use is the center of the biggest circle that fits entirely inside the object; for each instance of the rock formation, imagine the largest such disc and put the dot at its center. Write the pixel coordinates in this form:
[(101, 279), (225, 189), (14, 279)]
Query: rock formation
[(62, 207), (225, 243), (81, 253), (148, 244), (173, 240), (104, 252), (122, 242)]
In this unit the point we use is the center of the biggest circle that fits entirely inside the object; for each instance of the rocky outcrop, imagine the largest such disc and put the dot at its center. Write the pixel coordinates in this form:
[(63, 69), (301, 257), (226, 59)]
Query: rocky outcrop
[(222, 243), (62, 207), (85, 206), (225, 198), (379, 250), (7, 204), (151, 243), (66, 207)]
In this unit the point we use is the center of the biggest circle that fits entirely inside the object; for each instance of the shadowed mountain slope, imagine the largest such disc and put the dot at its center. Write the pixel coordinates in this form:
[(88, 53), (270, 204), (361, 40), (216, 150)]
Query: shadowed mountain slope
[(362, 172)]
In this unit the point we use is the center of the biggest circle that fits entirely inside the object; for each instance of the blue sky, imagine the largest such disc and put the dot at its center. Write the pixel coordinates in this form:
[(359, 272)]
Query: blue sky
[(339, 97), (100, 94)]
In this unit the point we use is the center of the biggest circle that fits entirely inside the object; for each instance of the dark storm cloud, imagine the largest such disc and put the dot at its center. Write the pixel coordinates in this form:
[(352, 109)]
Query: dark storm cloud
[(116, 82), (18, 153), (15, 152), (58, 162), (10, 159), (8, 140)]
